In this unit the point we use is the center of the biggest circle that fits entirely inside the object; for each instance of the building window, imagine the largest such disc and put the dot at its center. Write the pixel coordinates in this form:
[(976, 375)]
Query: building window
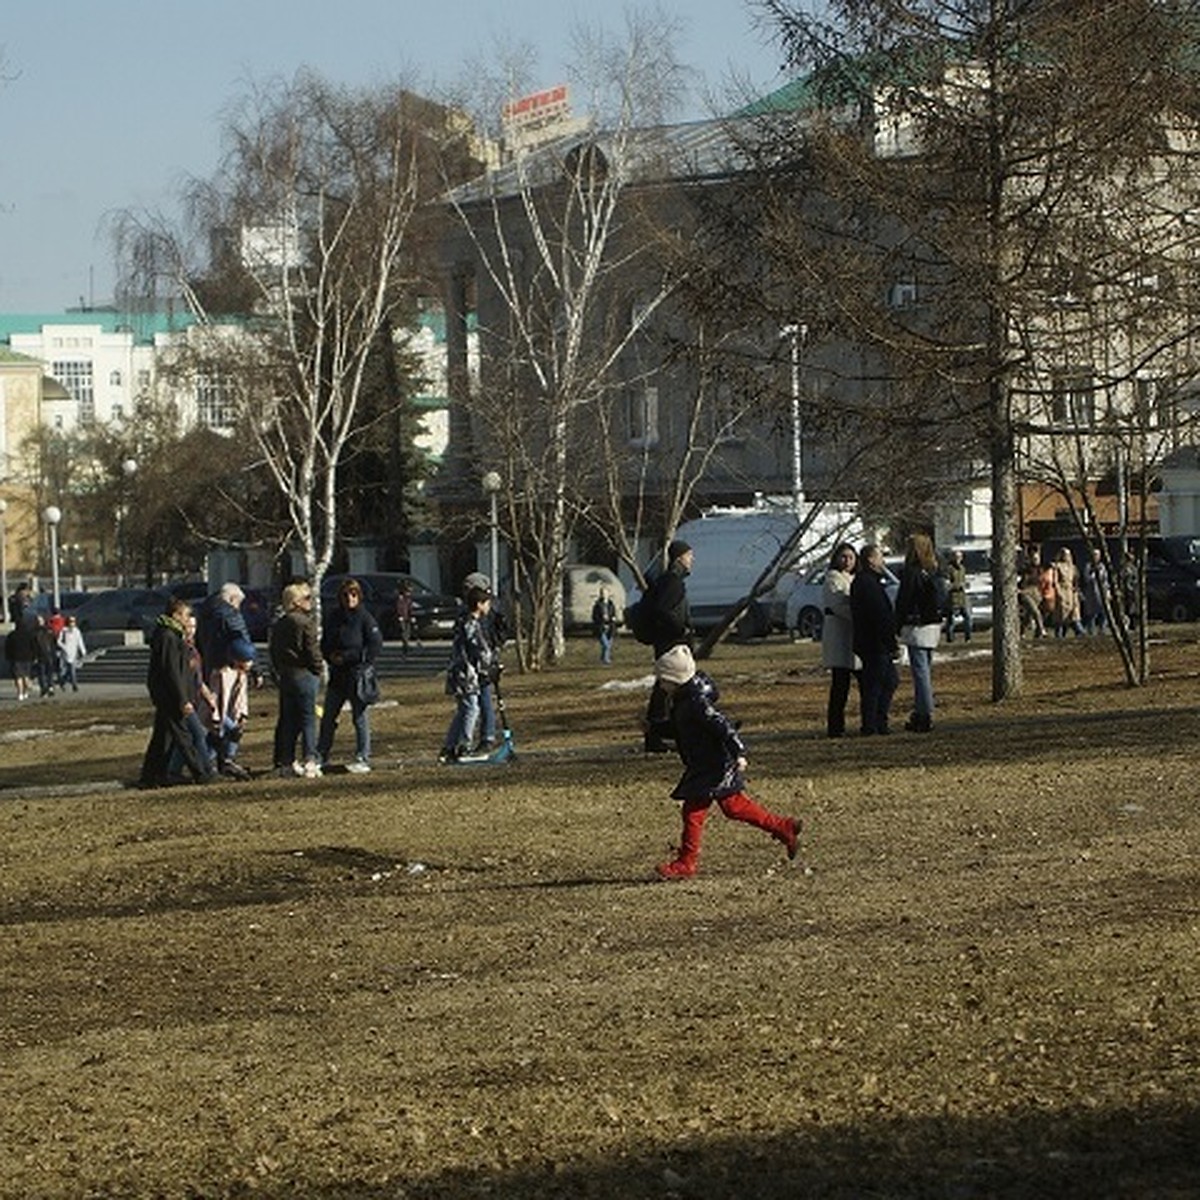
[(1154, 403), (214, 403), (118, 412), (643, 417), (726, 413), (114, 378), (76, 376), (143, 379), (1073, 400)]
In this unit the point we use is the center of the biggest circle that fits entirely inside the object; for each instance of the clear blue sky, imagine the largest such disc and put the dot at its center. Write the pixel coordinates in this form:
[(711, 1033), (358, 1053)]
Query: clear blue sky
[(108, 106)]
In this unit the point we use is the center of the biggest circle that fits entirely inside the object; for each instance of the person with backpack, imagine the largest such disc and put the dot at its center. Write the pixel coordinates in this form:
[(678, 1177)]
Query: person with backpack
[(228, 656), (666, 622)]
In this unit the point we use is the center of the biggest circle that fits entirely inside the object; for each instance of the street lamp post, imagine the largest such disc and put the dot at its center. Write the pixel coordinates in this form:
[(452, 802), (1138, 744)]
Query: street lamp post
[(491, 488), (3, 560), (52, 516), (797, 334), (128, 470)]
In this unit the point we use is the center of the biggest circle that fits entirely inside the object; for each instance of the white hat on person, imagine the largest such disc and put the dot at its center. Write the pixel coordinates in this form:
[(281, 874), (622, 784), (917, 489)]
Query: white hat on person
[(675, 666)]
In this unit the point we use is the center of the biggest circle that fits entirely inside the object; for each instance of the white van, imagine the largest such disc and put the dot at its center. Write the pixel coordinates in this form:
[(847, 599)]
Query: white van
[(581, 587), (735, 545), (732, 549)]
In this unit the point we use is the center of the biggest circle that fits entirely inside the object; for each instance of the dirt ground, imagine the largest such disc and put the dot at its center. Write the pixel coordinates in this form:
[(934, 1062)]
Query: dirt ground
[(980, 978)]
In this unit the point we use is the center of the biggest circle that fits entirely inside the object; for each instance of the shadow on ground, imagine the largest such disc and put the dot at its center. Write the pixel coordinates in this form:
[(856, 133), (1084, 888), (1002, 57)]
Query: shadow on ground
[(1143, 1152)]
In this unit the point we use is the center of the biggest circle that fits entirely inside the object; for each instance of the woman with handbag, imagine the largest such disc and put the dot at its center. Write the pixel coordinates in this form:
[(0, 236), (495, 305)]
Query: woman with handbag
[(350, 644), (919, 611)]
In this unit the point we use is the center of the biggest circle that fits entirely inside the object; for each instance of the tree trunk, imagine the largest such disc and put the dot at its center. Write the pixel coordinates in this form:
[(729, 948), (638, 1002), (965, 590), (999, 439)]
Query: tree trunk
[(1007, 674)]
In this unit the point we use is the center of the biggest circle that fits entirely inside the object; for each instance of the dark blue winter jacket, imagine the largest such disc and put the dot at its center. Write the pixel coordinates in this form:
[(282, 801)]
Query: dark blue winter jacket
[(708, 743), (350, 636), (221, 634)]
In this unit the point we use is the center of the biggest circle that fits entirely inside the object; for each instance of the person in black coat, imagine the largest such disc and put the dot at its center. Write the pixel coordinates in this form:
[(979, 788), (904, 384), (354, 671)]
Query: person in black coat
[(874, 641), (296, 661), (714, 761), (20, 652), (169, 682), (350, 639), (671, 621)]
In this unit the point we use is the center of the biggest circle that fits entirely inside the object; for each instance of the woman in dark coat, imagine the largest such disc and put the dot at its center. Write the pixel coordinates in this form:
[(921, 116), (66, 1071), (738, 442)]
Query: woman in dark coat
[(20, 651), (169, 682), (920, 612), (296, 661), (350, 639), (874, 641)]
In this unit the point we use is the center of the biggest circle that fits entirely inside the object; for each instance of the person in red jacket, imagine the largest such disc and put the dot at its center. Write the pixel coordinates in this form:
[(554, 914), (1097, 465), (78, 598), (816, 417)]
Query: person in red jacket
[(714, 760)]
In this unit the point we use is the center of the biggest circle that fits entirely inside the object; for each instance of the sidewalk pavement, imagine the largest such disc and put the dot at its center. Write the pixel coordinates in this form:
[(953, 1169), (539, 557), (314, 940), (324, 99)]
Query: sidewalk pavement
[(88, 693)]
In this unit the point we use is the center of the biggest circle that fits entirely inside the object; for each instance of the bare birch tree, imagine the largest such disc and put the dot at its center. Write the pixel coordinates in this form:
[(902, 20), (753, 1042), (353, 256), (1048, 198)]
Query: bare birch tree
[(945, 172), (551, 236), (310, 229)]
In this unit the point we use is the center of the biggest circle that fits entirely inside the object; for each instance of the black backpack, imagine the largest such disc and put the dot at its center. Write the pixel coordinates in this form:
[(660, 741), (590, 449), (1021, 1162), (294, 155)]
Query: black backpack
[(639, 620)]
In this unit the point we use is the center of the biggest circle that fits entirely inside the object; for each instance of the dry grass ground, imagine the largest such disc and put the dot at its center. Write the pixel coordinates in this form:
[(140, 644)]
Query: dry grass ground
[(980, 979)]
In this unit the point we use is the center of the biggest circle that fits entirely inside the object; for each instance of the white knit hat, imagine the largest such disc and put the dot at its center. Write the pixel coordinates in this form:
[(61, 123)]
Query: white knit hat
[(675, 666)]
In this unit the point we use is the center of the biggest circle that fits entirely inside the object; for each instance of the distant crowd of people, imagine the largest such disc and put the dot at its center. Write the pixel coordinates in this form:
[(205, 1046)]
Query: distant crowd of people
[(45, 651), (1059, 597)]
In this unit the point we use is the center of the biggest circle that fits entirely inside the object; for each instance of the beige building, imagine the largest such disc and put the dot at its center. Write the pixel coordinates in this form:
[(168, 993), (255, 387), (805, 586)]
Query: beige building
[(25, 394)]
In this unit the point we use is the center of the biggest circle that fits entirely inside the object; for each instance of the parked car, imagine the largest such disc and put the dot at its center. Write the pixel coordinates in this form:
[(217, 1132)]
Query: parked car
[(122, 608), (68, 602), (434, 613), (806, 603)]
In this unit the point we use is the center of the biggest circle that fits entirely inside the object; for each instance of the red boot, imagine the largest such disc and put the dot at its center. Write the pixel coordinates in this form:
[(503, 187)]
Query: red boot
[(684, 865), (740, 807)]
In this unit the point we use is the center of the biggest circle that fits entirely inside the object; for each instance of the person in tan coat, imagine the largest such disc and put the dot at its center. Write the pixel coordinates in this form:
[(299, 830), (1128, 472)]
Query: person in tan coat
[(1067, 606), (837, 636)]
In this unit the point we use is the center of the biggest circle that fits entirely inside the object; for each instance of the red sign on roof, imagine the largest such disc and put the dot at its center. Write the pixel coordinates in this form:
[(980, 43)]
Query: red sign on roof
[(538, 107)]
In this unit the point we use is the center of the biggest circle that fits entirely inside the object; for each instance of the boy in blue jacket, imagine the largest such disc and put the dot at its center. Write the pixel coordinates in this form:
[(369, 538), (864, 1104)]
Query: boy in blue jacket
[(714, 760), (471, 660)]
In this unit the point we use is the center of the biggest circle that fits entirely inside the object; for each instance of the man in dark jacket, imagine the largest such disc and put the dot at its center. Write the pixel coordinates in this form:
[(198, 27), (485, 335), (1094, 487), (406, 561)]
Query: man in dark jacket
[(874, 640), (350, 641), (168, 680), (672, 624)]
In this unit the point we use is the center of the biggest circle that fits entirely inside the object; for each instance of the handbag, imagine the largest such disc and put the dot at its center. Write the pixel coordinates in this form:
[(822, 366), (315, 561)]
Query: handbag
[(366, 684)]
